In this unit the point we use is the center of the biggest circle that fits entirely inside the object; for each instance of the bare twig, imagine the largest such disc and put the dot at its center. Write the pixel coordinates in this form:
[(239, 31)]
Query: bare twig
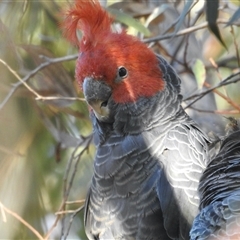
[(59, 98), (67, 211), (223, 63), (54, 225), (180, 33), (68, 184), (186, 45), (19, 79), (236, 46), (22, 81), (85, 148), (226, 98), (4, 218), (71, 219), (71, 211), (220, 112), (9, 151), (225, 82), (215, 66), (177, 20), (20, 219), (75, 202), (184, 31), (66, 188)]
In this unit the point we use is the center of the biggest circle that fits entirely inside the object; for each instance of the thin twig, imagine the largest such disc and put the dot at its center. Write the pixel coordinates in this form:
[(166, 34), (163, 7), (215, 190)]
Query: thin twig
[(215, 66), (186, 38), (20, 219), (85, 148), (220, 112), (71, 220), (222, 63), (66, 188), (236, 46), (60, 98), (10, 151), (4, 218), (180, 33), (54, 224), (226, 98), (66, 212), (75, 202), (22, 81), (225, 82), (177, 20), (67, 185), (19, 79), (73, 176), (184, 31)]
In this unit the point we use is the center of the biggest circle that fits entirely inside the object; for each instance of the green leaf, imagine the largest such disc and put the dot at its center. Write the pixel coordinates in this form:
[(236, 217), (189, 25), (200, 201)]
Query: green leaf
[(185, 10), (212, 15), (129, 21), (156, 13), (199, 71), (234, 17)]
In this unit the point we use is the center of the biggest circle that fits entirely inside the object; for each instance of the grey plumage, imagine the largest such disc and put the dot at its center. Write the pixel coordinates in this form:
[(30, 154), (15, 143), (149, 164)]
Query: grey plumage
[(150, 155), (219, 188), (146, 170)]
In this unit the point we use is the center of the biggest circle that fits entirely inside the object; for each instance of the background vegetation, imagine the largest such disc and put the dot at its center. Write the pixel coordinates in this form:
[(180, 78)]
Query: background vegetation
[(46, 153)]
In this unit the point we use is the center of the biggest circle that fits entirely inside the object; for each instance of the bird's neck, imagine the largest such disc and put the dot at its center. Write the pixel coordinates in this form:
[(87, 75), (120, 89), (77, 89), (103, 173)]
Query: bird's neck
[(162, 111), (149, 113)]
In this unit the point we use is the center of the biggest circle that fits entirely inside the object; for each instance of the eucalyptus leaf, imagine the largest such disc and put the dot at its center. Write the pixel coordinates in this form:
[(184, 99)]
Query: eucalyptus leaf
[(184, 12), (156, 13), (211, 16), (234, 17), (199, 71), (129, 21)]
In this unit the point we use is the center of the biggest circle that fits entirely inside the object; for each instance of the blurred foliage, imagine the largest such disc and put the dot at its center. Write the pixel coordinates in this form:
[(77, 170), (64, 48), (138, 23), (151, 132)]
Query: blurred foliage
[(46, 153)]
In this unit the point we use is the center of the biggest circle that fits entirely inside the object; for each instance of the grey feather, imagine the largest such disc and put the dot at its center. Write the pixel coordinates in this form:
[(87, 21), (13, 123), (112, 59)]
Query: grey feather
[(147, 168), (219, 216)]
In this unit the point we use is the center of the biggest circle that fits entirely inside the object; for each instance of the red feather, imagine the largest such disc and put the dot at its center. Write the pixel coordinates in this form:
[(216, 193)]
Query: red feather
[(89, 17), (103, 51)]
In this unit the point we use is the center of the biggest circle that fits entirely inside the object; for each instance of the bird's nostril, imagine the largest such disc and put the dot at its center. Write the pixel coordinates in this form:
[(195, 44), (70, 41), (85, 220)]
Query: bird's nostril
[(104, 104)]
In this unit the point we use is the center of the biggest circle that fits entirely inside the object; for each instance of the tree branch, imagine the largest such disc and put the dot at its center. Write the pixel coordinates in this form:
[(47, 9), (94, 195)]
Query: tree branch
[(222, 83), (184, 31), (68, 184), (20, 219), (220, 112), (22, 81)]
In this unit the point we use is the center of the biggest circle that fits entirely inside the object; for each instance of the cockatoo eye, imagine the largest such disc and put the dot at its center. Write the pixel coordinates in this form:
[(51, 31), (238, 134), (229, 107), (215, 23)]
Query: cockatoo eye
[(121, 74)]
